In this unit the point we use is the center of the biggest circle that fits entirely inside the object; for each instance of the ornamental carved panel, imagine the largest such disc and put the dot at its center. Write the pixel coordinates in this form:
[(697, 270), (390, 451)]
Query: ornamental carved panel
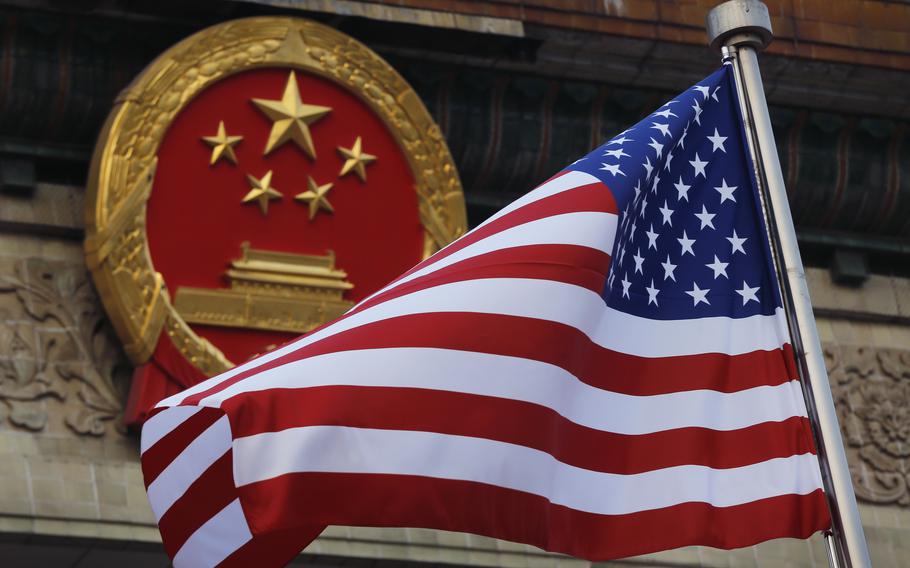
[(60, 363), (871, 389)]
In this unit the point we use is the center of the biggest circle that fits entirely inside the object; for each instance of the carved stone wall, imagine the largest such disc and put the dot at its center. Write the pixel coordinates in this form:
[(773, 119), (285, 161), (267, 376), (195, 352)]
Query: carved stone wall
[(66, 466), (56, 348), (871, 389)]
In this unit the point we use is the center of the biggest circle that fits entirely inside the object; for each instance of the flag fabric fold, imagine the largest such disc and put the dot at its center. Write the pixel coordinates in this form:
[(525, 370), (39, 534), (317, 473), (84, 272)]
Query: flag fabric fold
[(602, 369)]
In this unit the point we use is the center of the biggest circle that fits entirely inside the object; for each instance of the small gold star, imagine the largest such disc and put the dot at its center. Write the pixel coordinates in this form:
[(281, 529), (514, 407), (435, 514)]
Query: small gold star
[(356, 160), (261, 191), (222, 145), (291, 118), (316, 197)]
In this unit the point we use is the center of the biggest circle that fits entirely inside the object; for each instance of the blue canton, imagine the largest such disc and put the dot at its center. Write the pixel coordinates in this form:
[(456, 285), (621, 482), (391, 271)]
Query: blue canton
[(691, 240)]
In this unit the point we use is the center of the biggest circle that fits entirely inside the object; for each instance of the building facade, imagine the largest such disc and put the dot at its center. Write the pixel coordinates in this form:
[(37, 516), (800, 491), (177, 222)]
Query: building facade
[(519, 89)]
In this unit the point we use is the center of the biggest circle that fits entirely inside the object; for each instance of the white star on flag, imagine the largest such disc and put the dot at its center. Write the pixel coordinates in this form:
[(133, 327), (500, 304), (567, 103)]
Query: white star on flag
[(664, 128), (669, 268), (686, 243), (726, 192), (698, 295), (699, 166), (719, 268), (654, 184), (682, 138), (748, 293), (737, 243), (658, 147), (666, 212), (612, 168), (682, 189), (717, 142), (648, 167), (698, 110), (620, 153), (638, 261), (652, 293), (706, 218), (652, 238)]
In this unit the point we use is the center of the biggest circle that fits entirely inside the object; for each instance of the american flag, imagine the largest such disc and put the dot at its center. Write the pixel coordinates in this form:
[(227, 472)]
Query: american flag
[(601, 369)]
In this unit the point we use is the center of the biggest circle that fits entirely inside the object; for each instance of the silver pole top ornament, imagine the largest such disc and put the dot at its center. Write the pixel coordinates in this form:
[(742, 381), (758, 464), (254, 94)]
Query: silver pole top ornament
[(739, 22)]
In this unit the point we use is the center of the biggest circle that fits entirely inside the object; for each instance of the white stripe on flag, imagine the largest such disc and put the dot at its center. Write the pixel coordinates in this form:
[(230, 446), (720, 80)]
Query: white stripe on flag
[(214, 541), (186, 468), (530, 381), (338, 449)]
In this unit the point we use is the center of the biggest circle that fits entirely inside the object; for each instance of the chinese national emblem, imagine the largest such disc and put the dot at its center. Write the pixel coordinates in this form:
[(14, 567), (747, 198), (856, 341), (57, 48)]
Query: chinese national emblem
[(252, 184)]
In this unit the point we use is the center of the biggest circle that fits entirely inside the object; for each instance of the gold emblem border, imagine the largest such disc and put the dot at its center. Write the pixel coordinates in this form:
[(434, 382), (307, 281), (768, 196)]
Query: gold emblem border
[(123, 165)]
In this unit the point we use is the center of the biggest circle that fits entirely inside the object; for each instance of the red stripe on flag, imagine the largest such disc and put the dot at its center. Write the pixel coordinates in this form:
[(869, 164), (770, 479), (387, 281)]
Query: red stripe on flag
[(411, 501), (515, 422)]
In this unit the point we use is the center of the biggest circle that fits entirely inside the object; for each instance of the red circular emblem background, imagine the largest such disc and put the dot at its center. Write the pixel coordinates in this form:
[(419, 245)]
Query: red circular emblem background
[(196, 221)]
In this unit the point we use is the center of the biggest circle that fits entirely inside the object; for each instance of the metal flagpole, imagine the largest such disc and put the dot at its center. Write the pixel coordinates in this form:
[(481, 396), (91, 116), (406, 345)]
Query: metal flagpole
[(741, 27)]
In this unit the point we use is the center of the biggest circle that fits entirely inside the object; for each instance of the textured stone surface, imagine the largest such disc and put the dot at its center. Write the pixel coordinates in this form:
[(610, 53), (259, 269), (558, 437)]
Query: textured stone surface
[(884, 296), (50, 208)]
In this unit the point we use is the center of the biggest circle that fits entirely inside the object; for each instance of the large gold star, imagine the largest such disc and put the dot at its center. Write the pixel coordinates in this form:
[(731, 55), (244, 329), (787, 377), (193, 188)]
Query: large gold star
[(262, 191), (291, 118), (222, 145), (356, 160), (315, 196)]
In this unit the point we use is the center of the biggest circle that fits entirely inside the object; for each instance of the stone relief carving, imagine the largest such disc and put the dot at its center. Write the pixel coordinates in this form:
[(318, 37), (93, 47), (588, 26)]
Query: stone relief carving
[(872, 391), (55, 344)]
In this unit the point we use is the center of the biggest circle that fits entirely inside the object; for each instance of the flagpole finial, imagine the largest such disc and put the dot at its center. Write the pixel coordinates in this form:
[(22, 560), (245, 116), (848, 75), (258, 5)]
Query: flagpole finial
[(739, 22)]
